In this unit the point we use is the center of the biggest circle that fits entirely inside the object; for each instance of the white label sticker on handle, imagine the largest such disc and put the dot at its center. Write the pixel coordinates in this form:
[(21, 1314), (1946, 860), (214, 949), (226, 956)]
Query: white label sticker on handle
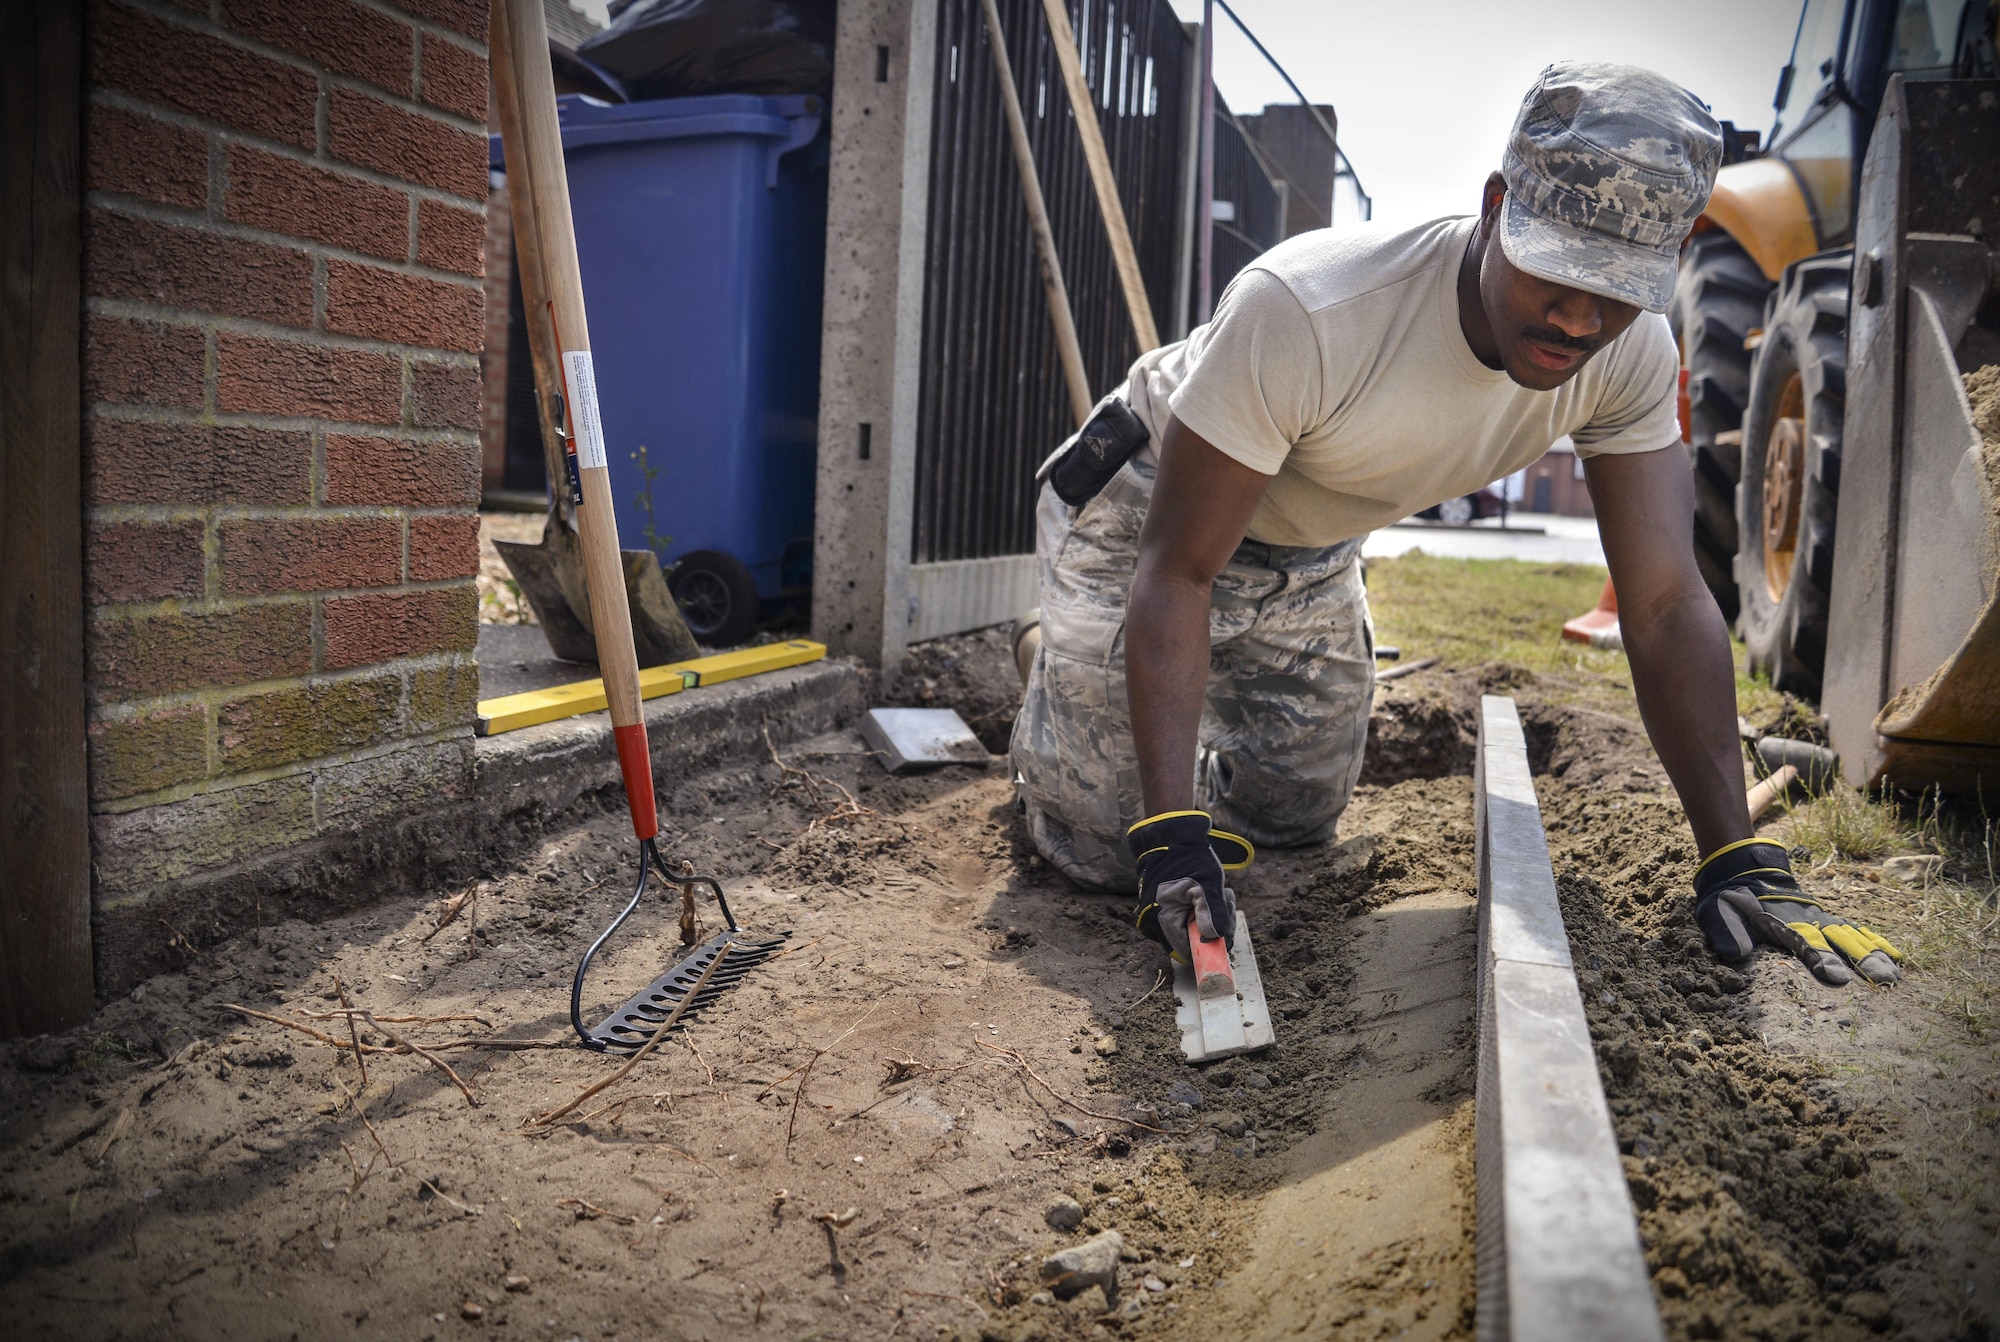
[(580, 380)]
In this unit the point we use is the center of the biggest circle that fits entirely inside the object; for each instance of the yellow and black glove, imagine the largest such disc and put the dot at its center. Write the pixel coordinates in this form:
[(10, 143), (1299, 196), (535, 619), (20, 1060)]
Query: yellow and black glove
[(1744, 894), (1181, 865)]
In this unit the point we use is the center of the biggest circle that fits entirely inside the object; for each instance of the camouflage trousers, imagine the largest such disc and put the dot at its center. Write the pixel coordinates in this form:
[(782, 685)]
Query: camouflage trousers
[(1291, 675)]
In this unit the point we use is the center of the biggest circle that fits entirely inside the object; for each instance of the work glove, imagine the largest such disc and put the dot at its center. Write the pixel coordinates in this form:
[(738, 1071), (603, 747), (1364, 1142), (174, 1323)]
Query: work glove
[(1744, 895), (1181, 865)]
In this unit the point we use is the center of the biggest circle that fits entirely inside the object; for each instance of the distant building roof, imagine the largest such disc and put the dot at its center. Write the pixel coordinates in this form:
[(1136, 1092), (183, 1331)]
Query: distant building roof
[(568, 25)]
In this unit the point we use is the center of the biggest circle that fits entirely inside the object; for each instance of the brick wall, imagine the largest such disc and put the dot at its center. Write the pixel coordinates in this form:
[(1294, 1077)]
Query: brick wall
[(283, 318)]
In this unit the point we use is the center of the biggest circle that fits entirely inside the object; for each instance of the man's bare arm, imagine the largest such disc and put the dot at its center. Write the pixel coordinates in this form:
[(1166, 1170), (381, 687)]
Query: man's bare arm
[(1202, 504), (1682, 669)]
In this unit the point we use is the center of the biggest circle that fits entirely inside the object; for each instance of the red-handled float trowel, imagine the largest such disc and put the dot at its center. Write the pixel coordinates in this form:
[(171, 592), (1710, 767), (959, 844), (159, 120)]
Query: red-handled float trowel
[(1221, 996)]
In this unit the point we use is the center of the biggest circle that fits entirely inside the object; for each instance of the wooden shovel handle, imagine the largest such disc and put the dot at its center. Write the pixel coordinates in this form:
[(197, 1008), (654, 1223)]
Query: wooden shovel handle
[(538, 161), (1765, 794)]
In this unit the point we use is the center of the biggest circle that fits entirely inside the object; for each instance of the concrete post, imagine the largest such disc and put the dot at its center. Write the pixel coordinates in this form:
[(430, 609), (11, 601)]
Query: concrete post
[(872, 325)]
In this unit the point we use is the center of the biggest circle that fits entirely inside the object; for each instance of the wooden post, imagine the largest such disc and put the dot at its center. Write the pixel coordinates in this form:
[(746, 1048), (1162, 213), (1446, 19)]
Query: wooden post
[(45, 965), (1108, 203), (1038, 217)]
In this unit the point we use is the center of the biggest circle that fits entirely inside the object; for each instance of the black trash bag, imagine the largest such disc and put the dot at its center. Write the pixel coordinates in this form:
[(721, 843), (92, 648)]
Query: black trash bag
[(686, 48)]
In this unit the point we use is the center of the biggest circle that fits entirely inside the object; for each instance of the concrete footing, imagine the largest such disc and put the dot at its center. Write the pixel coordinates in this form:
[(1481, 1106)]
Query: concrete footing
[(522, 783), (1558, 1244)]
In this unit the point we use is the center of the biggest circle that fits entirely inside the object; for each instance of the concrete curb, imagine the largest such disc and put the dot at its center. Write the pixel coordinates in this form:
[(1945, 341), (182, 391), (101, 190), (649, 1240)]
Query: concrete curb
[(547, 767), (1558, 1242)]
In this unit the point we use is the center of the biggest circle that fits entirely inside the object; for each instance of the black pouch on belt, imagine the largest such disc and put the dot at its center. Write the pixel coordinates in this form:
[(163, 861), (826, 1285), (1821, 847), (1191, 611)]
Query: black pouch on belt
[(1085, 463)]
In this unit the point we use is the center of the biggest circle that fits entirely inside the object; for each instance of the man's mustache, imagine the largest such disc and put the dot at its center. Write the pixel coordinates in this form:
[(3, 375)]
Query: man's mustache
[(1549, 335)]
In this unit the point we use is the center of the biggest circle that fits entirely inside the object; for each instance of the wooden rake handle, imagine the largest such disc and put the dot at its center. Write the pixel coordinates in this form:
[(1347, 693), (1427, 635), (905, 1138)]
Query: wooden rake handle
[(535, 168)]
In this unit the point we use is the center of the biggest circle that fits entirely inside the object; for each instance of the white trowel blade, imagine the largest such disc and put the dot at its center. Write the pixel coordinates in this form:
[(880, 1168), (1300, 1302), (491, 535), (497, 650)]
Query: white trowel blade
[(1217, 1027)]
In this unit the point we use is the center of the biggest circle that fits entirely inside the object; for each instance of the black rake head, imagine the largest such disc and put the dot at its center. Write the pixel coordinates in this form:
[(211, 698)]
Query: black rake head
[(631, 1025)]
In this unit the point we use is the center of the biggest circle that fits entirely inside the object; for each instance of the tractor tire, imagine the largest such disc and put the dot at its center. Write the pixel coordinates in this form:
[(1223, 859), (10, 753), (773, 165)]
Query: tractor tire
[(1718, 301), (1787, 500)]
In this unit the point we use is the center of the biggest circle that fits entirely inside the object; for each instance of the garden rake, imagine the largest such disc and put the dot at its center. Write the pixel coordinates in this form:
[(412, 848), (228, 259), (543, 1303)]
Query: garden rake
[(535, 168)]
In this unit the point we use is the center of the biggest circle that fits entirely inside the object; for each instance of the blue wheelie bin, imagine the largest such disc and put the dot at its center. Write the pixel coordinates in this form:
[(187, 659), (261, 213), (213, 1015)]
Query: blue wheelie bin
[(701, 234)]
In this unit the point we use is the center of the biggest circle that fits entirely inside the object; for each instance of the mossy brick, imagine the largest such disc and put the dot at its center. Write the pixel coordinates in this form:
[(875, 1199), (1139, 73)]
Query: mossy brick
[(141, 461), (162, 62), (308, 722), (139, 656), (442, 697), (395, 785), (130, 756), (142, 852), (364, 630)]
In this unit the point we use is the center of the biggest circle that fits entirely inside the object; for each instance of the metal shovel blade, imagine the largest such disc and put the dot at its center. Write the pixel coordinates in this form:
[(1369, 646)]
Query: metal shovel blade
[(550, 575)]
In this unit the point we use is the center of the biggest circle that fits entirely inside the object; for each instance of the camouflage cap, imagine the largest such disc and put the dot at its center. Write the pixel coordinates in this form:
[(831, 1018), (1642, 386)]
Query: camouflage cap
[(1607, 168)]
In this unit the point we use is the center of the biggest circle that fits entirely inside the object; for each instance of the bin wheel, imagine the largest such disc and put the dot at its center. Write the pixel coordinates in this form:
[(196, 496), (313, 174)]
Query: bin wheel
[(717, 597)]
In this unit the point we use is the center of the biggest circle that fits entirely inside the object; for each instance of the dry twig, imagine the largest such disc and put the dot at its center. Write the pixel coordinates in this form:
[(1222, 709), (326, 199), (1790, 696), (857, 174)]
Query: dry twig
[(590, 1211), (349, 1011), (805, 1075), (424, 1053), (850, 807), (354, 1037), (454, 906), (1023, 1063), (659, 1033)]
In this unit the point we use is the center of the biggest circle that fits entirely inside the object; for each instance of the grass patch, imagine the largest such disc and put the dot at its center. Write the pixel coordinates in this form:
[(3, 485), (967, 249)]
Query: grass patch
[(1474, 611), (1843, 824)]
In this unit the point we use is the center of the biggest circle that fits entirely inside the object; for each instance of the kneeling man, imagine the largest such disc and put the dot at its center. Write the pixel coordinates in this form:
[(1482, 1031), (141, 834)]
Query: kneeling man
[(1207, 664)]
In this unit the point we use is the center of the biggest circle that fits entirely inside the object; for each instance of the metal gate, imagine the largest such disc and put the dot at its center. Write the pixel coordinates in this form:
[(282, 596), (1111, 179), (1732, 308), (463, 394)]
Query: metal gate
[(992, 400)]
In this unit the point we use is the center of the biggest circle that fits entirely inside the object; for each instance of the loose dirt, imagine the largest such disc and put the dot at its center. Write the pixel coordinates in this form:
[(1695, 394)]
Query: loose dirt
[(954, 1039)]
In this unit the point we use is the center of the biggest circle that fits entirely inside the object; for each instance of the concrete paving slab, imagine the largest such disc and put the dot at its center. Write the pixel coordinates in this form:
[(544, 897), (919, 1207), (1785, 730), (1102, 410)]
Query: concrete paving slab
[(1558, 1242)]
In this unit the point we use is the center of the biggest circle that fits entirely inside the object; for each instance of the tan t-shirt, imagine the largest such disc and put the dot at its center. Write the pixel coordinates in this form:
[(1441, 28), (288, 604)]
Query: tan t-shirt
[(1336, 365)]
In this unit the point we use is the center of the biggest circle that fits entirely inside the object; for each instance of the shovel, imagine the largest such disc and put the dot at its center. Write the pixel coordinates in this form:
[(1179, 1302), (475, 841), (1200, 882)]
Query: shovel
[(520, 49)]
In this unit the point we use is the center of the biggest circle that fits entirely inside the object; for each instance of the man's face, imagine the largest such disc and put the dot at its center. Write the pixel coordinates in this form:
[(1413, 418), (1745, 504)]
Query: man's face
[(1545, 332)]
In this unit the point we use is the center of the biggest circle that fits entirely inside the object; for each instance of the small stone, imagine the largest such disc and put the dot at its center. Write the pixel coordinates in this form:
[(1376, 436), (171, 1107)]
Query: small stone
[(1915, 869), (1105, 1045), (1256, 1081), (954, 963), (1230, 1125), (1154, 1284), (1041, 1298), (1183, 1093), (1065, 1213), (472, 1309), (516, 1282), (1078, 1268)]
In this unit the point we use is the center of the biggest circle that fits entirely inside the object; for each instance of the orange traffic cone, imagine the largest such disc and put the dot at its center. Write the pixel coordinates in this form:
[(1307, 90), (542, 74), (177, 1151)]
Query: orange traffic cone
[(1598, 627)]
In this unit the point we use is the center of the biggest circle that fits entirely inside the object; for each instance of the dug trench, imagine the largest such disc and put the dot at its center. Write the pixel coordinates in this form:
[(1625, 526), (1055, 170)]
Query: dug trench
[(962, 1064)]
